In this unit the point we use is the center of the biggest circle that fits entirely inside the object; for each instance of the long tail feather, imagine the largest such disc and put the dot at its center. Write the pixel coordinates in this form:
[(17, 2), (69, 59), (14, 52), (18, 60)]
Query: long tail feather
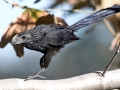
[(97, 16)]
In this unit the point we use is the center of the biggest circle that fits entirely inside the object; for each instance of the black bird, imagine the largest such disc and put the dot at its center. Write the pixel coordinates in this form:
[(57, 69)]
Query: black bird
[(49, 39)]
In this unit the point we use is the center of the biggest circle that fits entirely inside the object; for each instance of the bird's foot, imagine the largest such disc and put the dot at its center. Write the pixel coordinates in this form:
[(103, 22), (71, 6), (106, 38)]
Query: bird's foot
[(100, 73), (36, 75)]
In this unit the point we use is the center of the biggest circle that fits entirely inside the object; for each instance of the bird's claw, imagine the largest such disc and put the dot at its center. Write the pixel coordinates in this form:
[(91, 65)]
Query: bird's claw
[(100, 73), (34, 76)]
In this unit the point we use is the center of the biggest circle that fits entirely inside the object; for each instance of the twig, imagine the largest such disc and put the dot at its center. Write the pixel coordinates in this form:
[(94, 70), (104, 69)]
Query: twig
[(112, 31), (74, 10), (13, 3), (116, 53), (24, 7)]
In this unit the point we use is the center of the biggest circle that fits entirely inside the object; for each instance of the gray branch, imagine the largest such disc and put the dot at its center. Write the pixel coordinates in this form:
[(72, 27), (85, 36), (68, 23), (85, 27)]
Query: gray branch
[(91, 81)]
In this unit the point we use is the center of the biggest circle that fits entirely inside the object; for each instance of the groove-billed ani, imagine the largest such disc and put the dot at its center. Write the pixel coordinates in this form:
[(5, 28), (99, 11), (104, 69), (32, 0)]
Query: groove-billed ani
[(49, 39)]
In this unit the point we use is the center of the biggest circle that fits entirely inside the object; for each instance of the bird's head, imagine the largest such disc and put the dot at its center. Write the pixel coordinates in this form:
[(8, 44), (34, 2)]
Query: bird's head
[(23, 37)]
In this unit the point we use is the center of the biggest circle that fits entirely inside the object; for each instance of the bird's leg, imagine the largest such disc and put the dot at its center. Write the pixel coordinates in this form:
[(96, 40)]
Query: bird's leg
[(102, 73), (36, 75), (44, 63)]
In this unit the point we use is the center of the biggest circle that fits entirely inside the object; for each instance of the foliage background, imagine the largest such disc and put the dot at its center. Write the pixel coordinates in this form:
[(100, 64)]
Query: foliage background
[(89, 54)]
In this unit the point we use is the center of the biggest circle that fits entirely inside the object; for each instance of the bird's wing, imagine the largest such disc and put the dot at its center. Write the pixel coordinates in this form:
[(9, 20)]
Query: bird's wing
[(60, 37), (40, 31)]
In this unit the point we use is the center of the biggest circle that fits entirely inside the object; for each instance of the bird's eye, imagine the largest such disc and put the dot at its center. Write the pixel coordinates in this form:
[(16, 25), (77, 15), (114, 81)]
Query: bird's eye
[(23, 37)]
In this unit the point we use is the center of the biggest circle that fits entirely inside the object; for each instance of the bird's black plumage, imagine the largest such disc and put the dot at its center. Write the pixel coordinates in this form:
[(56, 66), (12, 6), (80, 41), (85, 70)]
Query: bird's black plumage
[(49, 39)]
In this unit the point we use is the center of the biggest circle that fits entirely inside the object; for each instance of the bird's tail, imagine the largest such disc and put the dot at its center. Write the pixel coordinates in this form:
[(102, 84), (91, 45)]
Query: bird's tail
[(97, 16)]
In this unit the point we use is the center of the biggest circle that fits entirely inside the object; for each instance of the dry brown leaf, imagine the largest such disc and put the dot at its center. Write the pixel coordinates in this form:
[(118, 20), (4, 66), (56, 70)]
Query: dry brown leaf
[(25, 22), (50, 19), (60, 21)]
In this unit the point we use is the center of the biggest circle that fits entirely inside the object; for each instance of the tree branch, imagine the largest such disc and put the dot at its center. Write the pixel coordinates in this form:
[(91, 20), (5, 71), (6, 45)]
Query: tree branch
[(109, 27), (24, 7), (91, 81)]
